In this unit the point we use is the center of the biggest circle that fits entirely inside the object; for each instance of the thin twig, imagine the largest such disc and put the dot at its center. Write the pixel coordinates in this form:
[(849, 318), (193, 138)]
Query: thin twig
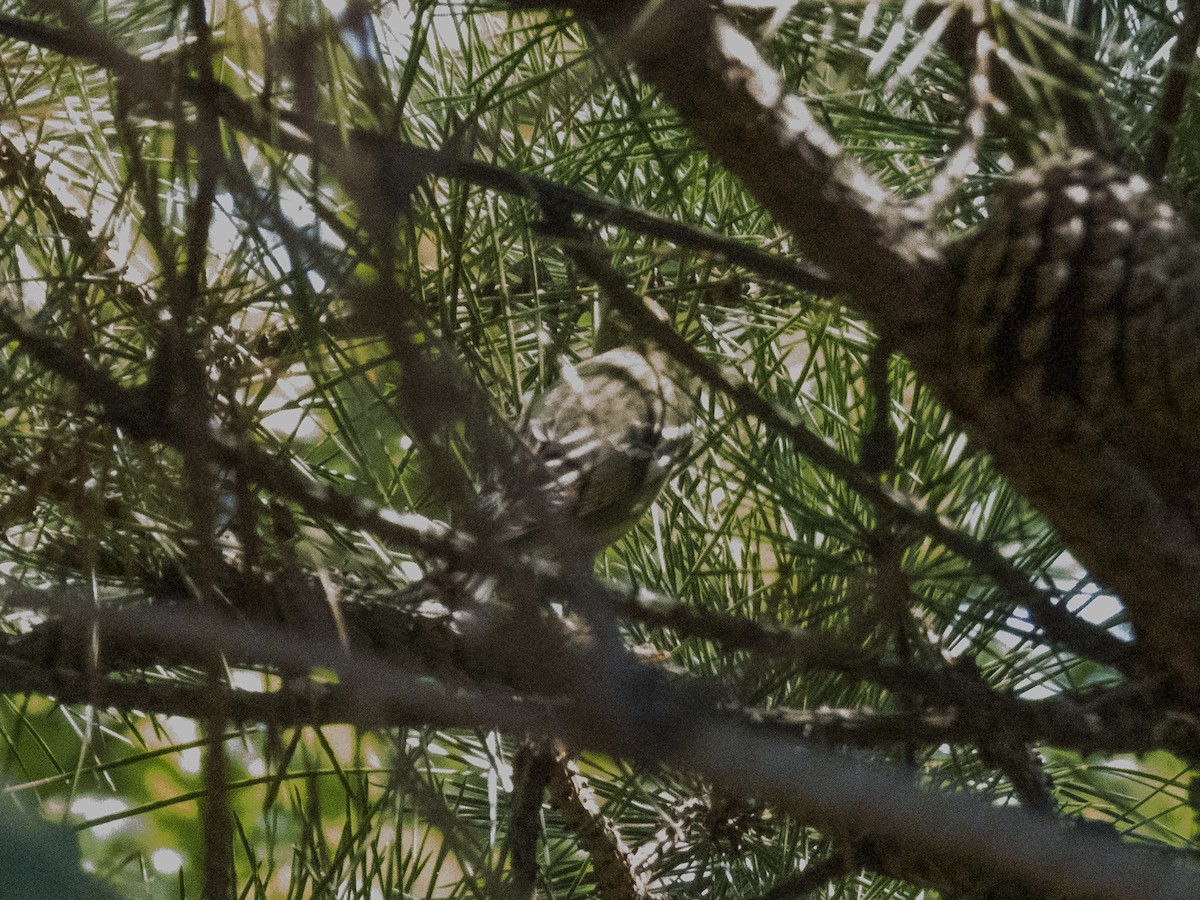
[(150, 80), (126, 408), (1057, 623), (201, 476), (817, 874)]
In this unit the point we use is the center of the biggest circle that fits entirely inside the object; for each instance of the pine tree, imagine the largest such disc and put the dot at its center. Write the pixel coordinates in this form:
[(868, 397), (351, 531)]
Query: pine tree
[(345, 558)]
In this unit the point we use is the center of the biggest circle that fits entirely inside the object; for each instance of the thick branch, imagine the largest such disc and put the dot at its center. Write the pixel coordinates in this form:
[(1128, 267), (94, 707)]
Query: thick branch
[(959, 707), (1175, 90), (823, 788), (737, 106), (764, 762), (1121, 523)]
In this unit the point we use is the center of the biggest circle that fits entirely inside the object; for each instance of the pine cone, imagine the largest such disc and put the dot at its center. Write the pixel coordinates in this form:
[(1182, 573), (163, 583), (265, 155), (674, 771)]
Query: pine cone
[(1078, 301)]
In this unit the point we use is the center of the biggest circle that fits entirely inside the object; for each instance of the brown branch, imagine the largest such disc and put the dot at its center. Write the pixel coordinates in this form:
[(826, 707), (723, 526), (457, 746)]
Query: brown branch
[(999, 846), (1180, 70), (1025, 771), (532, 769), (805, 650), (372, 691), (877, 451), (1057, 623), (612, 861), (378, 160), (747, 761), (956, 705), (737, 106), (1134, 533), (997, 723), (371, 702), (193, 404)]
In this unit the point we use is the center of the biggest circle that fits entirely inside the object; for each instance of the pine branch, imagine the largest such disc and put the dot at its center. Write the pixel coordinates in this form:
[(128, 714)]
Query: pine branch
[(1134, 532), (1180, 75), (612, 861)]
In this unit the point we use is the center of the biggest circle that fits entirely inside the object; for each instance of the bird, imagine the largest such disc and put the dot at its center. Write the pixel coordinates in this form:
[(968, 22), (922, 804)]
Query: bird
[(607, 437), (593, 453)]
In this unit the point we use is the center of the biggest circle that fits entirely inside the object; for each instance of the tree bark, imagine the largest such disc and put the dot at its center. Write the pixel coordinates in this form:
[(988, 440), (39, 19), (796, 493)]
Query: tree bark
[(1132, 527)]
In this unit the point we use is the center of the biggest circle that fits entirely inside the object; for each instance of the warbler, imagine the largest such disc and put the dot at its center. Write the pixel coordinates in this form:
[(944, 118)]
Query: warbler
[(597, 448), (607, 437)]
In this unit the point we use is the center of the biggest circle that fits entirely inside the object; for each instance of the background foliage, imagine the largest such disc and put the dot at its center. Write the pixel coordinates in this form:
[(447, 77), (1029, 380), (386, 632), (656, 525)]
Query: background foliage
[(149, 225)]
